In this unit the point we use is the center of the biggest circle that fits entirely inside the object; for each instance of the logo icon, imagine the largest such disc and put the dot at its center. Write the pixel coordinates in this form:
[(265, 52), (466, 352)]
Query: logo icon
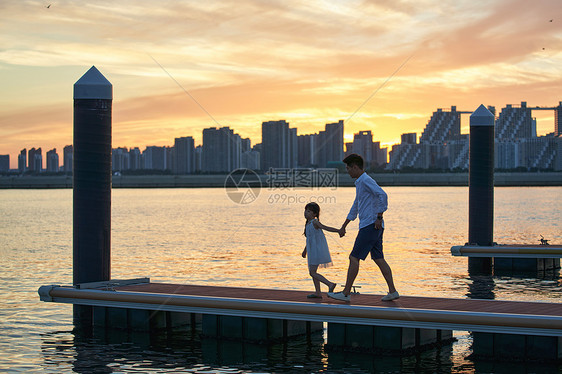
[(242, 186)]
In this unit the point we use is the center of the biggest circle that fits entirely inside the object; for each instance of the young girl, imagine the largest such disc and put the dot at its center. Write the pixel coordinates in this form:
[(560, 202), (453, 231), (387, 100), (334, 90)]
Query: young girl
[(316, 248)]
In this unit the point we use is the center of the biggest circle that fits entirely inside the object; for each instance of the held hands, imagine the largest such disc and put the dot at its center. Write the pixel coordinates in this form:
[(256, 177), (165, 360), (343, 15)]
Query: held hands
[(341, 232)]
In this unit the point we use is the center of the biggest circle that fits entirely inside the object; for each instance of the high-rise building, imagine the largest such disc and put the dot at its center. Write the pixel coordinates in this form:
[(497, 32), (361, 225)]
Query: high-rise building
[(558, 120), (35, 160), (52, 161), (155, 158), (408, 138), (306, 150), (293, 148), (67, 158), (348, 149), (250, 160), (507, 154), (516, 123), (169, 155), (222, 150), (120, 159), (278, 146), (22, 161), (558, 157), (334, 142), (183, 155), (198, 158), (380, 155), (540, 152), (372, 153), (363, 146), (329, 144), (457, 152), (4, 163), (516, 143), (442, 126), (135, 159), (246, 145)]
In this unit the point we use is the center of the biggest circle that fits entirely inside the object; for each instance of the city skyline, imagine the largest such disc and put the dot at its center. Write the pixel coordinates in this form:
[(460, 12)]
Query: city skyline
[(441, 146), (379, 66)]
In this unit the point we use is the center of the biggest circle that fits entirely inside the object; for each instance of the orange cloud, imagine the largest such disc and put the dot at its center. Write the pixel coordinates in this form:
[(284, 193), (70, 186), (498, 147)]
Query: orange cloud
[(307, 62)]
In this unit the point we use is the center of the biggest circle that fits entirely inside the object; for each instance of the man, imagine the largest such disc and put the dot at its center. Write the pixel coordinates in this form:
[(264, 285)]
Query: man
[(370, 204)]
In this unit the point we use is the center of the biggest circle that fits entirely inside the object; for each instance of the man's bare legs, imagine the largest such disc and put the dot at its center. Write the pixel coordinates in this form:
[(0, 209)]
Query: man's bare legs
[(386, 273), (353, 270)]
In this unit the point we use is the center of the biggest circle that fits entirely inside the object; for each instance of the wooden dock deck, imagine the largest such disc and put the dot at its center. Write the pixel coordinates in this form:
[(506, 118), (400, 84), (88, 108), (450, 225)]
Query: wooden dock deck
[(494, 316)]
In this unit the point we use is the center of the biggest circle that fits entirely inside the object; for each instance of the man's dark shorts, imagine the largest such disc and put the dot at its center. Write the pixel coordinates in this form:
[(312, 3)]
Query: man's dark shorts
[(368, 240)]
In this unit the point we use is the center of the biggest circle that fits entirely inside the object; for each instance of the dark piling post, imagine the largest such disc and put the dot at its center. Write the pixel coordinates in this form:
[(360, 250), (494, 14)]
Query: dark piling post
[(93, 96), (481, 186)]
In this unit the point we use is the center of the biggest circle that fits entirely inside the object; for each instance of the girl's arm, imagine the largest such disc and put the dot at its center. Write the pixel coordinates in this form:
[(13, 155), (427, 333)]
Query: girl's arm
[(304, 253), (318, 225)]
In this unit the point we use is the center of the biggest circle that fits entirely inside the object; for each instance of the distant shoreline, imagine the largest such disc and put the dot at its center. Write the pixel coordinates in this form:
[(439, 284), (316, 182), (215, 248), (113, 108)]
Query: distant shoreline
[(217, 180)]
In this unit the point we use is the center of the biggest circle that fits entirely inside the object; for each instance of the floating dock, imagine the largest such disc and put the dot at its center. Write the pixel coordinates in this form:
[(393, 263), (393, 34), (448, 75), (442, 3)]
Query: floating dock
[(366, 323), (511, 251), (516, 257)]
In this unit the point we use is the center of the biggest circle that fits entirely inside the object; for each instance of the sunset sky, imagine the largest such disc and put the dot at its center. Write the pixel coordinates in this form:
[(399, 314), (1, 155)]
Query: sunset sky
[(249, 61)]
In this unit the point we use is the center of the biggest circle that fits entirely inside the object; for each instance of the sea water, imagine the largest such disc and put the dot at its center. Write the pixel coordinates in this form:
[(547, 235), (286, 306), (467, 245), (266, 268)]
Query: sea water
[(202, 236)]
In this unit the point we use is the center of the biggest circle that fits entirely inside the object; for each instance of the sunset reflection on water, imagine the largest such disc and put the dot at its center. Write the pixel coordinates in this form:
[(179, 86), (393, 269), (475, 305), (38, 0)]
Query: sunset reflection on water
[(199, 236)]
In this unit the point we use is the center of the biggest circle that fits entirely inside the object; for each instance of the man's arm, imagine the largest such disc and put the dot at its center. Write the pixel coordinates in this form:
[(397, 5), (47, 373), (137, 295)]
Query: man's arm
[(341, 231), (353, 211)]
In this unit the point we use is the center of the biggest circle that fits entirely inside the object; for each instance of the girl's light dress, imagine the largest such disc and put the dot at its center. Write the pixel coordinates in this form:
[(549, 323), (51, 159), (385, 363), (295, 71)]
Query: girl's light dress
[(317, 249)]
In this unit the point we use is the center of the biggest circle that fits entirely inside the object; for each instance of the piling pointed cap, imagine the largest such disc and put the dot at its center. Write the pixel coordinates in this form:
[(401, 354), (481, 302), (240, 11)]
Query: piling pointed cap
[(93, 85), (482, 117)]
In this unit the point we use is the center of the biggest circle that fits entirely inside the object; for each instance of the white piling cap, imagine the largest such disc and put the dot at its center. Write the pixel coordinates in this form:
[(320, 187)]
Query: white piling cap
[(93, 85), (482, 117)]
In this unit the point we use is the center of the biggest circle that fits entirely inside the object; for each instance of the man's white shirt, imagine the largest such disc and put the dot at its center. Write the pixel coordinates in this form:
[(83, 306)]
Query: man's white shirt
[(370, 200)]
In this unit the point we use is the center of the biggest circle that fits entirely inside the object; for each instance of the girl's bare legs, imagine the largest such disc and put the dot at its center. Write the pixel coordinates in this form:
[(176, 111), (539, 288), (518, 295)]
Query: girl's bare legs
[(317, 278)]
